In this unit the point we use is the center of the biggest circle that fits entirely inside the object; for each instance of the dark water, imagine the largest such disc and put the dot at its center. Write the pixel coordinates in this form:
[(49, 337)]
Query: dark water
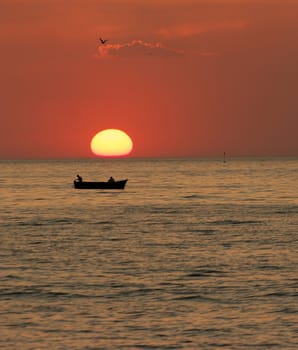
[(193, 254)]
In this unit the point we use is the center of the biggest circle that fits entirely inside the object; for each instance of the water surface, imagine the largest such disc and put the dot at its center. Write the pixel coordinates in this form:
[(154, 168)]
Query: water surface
[(193, 254)]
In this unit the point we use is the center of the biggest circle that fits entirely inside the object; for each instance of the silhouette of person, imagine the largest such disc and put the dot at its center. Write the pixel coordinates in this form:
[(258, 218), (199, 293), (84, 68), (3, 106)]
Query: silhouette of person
[(79, 178), (111, 179)]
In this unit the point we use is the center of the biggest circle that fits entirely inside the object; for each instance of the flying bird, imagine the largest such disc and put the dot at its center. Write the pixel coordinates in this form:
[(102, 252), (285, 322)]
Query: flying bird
[(103, 41)]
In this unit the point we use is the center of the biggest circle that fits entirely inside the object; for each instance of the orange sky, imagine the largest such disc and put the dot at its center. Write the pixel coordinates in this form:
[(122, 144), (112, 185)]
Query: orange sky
[(181, 77)]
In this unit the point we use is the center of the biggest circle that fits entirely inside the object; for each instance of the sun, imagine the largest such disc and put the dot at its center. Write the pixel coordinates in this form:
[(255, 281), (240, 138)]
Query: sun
[(111, 143)]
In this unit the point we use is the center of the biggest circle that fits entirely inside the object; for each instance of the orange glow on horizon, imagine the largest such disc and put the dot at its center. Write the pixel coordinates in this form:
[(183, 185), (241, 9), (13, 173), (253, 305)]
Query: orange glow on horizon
[(111, 143)]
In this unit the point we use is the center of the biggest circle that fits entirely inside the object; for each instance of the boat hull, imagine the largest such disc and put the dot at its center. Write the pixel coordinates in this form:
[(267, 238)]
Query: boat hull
[(88, 185)]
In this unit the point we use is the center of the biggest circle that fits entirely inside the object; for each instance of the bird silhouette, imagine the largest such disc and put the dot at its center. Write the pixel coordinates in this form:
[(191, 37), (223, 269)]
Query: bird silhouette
[(103, 41)]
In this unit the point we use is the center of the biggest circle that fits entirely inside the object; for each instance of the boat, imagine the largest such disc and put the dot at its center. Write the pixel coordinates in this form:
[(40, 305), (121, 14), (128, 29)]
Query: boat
[(103, 185)]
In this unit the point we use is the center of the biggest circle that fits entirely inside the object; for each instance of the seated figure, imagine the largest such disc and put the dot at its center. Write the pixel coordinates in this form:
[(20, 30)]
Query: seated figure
[(79, 178)]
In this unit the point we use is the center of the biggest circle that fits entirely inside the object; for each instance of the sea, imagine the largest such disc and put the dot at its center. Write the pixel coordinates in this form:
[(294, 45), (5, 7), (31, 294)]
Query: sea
[(192, 254)]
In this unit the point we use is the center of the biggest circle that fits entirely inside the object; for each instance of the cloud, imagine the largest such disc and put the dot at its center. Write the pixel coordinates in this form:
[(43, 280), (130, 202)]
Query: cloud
[(192, 29), (136, 48)]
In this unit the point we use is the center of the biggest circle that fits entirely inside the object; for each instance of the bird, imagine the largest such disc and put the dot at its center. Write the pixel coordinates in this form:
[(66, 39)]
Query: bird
[(103, 41)]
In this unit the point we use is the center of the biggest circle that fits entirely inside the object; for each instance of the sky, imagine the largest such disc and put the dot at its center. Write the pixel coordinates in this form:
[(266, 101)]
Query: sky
[(183, 78)]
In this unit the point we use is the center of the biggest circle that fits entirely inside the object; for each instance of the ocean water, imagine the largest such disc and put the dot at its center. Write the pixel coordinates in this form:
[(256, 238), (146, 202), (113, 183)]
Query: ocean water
[(193, 254)]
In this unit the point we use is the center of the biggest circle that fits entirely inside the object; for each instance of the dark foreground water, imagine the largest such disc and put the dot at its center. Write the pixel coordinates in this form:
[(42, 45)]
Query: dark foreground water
[(193, 254)]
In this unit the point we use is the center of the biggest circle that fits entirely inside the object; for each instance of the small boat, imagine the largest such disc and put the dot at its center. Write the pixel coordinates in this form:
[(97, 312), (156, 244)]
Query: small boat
[(107, 185)]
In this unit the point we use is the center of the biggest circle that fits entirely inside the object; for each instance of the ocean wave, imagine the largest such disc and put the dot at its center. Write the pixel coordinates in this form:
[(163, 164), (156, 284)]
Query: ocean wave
[(235, 222), (206, 273)]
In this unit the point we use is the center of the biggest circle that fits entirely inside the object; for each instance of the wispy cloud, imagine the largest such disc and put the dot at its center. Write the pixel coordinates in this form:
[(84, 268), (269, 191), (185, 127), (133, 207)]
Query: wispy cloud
[(192, 29), (136, 48)]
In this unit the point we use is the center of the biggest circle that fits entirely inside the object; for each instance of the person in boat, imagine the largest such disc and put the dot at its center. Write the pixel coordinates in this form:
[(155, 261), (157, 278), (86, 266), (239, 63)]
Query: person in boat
[(111, 179), (79, 178)]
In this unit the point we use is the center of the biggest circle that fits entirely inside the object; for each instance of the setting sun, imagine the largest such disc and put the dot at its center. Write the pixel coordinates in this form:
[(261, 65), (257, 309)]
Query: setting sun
[(111, 143)]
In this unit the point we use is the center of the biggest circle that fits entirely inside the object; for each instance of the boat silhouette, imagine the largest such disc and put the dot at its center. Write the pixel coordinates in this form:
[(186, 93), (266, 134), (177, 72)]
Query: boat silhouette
[(102, 185)]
